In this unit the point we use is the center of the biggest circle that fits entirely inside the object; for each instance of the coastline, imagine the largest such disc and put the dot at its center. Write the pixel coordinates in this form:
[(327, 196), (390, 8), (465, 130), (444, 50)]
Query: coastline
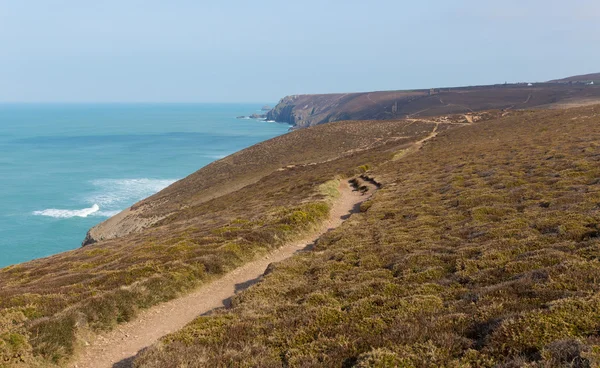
[(121, 153)]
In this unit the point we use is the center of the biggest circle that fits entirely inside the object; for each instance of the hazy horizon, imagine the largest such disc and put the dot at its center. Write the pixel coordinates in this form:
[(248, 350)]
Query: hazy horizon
[(66, 51)]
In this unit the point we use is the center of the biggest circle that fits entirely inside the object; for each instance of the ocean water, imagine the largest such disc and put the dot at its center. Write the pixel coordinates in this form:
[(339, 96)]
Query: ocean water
[(65, 168)]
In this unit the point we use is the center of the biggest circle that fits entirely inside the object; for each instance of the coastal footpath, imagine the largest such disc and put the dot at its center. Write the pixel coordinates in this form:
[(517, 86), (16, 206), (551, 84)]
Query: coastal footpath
[(198, 230), (471, 240)]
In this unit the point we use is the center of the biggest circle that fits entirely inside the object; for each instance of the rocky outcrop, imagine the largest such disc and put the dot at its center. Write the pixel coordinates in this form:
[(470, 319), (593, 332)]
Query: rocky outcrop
[(88, 240), (253, 116), (131, 220), (283, 112)]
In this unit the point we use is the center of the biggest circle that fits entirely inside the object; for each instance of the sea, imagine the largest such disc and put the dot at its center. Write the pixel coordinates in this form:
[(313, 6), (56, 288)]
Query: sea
[(67, 167)]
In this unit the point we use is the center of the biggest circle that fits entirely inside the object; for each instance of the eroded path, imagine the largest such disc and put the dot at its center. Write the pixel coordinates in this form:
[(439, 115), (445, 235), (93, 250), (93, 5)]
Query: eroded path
[(118, 347), (431, 135)]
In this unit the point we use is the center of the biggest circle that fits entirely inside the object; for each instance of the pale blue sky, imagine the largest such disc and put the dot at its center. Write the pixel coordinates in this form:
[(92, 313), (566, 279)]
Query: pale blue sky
[(261, 50)]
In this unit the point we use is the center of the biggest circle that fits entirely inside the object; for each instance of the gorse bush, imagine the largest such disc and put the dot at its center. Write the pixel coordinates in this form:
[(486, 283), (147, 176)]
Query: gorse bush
[(14, 347)]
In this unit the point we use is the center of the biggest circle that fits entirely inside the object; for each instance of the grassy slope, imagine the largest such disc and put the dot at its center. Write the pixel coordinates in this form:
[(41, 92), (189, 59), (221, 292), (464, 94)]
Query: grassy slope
[(248, 167), (482, 249), (46, 304)]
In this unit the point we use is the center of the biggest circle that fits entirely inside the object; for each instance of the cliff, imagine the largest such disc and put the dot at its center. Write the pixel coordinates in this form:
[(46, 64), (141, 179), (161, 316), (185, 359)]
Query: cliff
[(307, 110)]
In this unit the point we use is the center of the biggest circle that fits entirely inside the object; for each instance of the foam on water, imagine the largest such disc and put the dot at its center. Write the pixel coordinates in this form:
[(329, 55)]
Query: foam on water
[(57, 213), (106, 213), (116, 194), (60, 160), (113, 195), (217, 157)]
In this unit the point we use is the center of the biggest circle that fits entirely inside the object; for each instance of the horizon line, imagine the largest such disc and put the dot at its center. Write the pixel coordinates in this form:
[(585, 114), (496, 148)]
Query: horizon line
[(128, 102)]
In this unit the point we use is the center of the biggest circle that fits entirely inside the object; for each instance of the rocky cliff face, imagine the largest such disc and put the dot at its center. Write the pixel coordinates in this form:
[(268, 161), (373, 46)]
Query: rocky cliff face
[(307, 110), (283, 112)]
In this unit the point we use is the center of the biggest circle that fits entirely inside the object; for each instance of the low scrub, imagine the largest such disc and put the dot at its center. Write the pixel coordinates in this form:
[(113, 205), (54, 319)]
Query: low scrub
[(481, 249), (49, 306)]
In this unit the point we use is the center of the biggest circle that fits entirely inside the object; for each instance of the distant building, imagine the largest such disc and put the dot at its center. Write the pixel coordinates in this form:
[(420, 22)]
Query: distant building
[(529, 85), (591, 83)]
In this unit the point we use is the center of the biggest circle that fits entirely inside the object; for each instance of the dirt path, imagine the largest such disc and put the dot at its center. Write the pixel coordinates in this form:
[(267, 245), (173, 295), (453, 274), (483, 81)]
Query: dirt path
[(118, 347), (431, 135)]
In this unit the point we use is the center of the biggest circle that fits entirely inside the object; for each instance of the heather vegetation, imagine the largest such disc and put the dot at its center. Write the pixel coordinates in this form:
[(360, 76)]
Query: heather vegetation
[(481, 249), (50, 307)]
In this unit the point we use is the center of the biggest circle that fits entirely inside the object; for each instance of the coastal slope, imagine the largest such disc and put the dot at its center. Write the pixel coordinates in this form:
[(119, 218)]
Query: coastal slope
[(112, 349), (480, 250), (203, 227), (308, 110), (244, 168)]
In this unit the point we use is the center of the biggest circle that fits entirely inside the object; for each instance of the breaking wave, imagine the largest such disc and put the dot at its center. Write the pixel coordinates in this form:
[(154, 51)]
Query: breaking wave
[(112, 195), (57, 213), (118, 194)]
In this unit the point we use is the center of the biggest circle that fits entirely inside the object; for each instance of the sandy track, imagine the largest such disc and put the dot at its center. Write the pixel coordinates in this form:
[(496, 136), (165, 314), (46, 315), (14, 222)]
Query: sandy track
[(118, 347)]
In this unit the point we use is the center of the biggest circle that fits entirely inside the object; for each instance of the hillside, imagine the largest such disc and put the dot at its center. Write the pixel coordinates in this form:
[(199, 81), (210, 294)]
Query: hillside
[(227, 214), (579, 78), (480, 250), (308, 110), (245, 168)]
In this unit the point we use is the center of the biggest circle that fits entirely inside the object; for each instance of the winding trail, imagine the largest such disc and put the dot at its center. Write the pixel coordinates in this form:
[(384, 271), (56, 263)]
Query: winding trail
[(118, 347), (433, 134)]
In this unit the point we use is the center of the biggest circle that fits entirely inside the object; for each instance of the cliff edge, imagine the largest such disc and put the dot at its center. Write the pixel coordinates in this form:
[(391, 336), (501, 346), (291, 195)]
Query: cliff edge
[(307, 110)]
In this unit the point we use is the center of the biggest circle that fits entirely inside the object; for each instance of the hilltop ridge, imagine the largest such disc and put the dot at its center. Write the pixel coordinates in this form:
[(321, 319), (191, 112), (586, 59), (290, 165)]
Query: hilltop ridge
[(314, 109), (593, 77)]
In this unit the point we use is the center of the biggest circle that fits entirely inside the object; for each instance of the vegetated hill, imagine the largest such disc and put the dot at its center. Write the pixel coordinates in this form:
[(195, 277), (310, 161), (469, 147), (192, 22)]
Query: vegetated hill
[(308, 110), (594, 77), (480, 250), (244, 168), (224, 215)]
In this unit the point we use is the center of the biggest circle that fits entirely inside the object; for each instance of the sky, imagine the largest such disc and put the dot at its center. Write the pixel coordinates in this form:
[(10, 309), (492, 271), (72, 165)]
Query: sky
[(262, 50)]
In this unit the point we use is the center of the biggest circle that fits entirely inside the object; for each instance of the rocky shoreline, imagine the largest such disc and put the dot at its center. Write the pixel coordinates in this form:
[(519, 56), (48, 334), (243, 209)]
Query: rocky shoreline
[(253, 116)]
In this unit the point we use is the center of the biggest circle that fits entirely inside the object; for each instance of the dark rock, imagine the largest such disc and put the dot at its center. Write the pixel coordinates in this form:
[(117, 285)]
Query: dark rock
[(89, 240)]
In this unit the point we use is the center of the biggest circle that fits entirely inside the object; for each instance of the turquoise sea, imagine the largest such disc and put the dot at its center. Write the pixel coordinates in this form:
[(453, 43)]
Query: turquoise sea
[(65, 168)]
